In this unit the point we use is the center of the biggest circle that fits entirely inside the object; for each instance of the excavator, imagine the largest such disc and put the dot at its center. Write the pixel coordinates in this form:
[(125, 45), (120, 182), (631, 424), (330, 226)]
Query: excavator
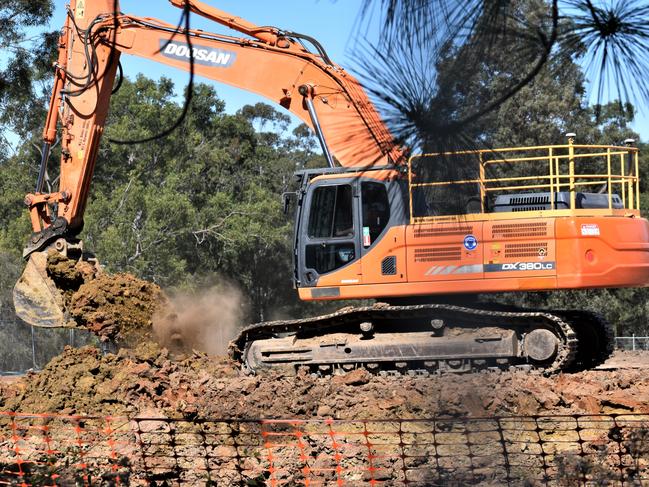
[(369, 226)]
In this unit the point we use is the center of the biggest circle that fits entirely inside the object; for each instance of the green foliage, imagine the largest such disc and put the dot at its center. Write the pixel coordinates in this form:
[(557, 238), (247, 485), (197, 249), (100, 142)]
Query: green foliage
[(15, 182), (203, 201), (31, 52), (201, 204)]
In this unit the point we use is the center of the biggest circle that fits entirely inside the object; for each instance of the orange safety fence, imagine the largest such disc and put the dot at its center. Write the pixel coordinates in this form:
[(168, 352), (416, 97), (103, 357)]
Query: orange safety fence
[(59, 450)]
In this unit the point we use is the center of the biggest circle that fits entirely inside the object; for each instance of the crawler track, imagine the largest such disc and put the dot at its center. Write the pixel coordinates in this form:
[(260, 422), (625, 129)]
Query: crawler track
[(403, 342)]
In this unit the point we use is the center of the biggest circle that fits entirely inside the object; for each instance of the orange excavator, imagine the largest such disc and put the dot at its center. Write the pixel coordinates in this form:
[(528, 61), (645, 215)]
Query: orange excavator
[(374, 224)]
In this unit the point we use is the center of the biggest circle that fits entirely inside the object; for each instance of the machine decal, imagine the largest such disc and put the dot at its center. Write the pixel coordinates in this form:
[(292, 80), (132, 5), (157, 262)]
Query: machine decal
[(367, 239), (81, 9), (453, 269), (470, 242), (202, 55), (590, 229), (520, 266)]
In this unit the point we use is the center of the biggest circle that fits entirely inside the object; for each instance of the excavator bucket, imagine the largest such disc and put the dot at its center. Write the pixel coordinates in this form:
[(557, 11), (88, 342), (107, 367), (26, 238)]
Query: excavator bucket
[(36, 298)]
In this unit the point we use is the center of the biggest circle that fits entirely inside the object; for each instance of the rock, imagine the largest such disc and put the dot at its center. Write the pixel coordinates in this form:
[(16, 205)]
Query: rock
[(588, 404), (548, 399), (354, 378), (324, 411), (617, 400), (624, 383)]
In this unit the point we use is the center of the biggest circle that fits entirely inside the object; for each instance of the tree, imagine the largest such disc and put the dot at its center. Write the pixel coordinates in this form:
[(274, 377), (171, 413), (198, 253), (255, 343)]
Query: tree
[(31, 54), (203, 201), (199, 205), (16, 181), (541, 113), (608, 37)]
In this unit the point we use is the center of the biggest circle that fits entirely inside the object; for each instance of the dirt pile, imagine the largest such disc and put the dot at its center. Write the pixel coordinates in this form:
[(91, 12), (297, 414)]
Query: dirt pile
[(8, 389), (118, 307), (69, 274), (82, 381), (115, 307), (148, 384), (181, 384)]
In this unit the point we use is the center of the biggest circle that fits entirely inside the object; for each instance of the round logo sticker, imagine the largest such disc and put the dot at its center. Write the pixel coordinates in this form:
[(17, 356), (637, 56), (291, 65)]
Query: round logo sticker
[(470, 242)]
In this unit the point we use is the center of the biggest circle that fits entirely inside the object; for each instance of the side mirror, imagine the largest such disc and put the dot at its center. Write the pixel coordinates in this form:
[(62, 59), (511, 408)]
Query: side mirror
[(286, 201)]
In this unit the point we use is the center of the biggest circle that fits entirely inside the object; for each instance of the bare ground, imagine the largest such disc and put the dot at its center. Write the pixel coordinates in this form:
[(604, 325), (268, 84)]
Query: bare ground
[(637, 359), (149, 381), (147, 376), (83, 381)]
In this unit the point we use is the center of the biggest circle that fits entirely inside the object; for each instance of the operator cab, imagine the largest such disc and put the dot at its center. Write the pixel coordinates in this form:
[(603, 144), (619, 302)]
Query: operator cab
[(340, 218)]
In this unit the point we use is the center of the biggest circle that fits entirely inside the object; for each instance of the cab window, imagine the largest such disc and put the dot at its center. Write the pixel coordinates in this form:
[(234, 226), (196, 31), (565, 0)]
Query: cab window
[(331, 225), (329, 257), (331, 212), (376, 211)]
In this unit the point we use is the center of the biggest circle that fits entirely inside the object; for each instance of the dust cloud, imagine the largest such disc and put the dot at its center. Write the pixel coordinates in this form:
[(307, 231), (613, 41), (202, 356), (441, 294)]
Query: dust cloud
[(205, 321)]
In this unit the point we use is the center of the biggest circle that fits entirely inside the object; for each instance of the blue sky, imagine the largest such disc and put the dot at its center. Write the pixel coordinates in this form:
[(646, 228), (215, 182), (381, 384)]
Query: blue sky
[(333, 23)]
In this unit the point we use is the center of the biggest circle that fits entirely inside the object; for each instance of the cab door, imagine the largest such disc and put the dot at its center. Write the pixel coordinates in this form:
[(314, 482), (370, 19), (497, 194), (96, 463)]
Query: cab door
[(382, 232), (328, 237)]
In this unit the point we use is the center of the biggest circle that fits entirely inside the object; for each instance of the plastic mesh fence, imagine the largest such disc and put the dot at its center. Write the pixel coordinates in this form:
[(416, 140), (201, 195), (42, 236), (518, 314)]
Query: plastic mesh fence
[(537, 450)]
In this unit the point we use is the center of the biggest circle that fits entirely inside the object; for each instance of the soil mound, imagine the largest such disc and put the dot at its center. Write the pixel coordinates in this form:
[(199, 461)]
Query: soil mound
[(83, 381), (148, 377)]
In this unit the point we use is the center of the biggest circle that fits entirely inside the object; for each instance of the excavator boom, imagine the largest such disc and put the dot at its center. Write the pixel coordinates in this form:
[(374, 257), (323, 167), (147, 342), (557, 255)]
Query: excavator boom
[(269, 61)]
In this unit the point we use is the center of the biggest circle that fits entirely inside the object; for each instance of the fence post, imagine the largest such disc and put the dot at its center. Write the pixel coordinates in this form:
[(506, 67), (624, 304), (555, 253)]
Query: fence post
[(609, 180), (483, 194), (633, 342), (33, 349)]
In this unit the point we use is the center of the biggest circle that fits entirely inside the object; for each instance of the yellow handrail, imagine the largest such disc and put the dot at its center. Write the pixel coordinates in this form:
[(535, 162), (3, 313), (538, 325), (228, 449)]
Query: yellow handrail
[(563, 163)]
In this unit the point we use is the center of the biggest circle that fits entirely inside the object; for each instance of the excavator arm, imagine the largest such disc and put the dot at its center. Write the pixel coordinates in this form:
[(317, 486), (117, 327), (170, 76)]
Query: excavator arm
[(270, 62)]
